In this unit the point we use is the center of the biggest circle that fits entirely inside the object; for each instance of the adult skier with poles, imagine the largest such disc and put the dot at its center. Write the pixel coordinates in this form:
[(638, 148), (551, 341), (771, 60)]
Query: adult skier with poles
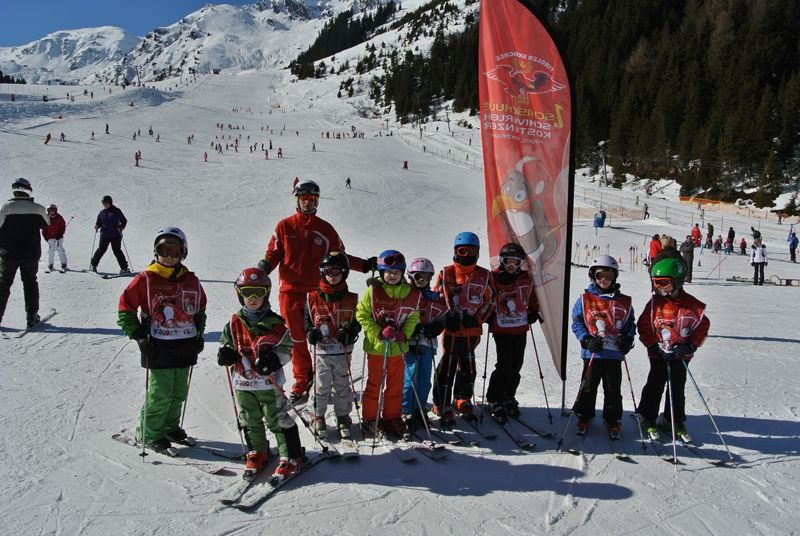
[(169, 332)]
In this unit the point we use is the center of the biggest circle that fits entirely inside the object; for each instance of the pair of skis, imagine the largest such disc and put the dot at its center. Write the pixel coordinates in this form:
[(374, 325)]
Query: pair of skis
[(177, 454), (614, 442), (685, 442)]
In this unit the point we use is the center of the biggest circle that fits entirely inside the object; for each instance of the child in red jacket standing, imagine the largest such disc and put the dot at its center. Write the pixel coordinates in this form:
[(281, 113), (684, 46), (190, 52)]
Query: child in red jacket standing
[(54, 234)]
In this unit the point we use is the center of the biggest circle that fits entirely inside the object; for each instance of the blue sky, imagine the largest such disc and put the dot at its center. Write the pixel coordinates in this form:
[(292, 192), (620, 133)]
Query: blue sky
[(22, 22)]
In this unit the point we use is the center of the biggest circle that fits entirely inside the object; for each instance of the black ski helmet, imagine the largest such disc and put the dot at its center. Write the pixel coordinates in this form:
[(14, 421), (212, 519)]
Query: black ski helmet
[(512, 249), (306, 188), (335, 259), (107, 199)]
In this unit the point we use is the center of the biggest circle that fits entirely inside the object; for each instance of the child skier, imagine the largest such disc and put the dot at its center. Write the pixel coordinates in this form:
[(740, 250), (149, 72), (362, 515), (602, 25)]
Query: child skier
[(602, 320), (672, 326), (515, 308), (388, 312), (331, 331), (422, 344), (164, 310), (54, 234), (256, 343), (467, 291)]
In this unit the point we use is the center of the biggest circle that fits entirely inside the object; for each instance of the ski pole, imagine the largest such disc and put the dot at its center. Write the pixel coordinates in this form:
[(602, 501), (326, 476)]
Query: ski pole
[(380, 396), (130, 265), (541, 376), (485, 366), (186, 402), (316, 394), (672, 415), (635, 407), (144, 413), (91, 255), (274, 383), (235, 409), (586, 375), (420, 407), (685, 364), (353, 390)]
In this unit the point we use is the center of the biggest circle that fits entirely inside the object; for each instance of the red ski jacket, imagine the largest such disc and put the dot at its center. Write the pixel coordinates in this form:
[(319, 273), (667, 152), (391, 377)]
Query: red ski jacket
[(56, 229)]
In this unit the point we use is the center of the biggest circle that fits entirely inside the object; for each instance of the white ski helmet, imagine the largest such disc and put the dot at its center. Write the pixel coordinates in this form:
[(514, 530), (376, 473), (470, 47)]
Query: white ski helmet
[(603, 261), (176, 233)]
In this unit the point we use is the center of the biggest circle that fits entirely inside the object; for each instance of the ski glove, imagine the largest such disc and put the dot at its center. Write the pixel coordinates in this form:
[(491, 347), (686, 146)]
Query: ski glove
[(147, 348), (431, 331), (452, 322), (264, 265), (469, 321), (390, 333), (268, 363), (370, 265), (593, 344), (347, 336), (417, 331), (655, 351), (201, 343), (624, 344), (534, 317), (313, 336), (226, 356), (683, 350)]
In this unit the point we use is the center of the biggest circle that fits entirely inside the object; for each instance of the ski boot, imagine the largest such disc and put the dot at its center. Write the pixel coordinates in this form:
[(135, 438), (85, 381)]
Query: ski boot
[(63, 269), (93, 268), (512, 408), (613, 429), (287, 467), (583, 426), (33, 320), (464, 408), (179, 436), (255, 462), (681, 433), (410, 422), (49, 268), (396, 427), (162, 446), (370, 429), (446, 415), (125, 271), (649, 428), (318, 427), (500, 412), (343, 424)]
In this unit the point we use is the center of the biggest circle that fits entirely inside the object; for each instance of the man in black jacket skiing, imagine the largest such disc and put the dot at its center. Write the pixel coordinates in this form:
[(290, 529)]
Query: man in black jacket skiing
[(21, 221)]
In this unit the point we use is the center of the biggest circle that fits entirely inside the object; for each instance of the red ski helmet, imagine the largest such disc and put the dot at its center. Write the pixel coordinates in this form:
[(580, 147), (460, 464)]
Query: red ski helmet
[(252, 278)]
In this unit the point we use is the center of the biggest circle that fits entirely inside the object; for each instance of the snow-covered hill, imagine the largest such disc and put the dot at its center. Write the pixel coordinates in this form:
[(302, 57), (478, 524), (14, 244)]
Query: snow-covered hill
[(264, 35)]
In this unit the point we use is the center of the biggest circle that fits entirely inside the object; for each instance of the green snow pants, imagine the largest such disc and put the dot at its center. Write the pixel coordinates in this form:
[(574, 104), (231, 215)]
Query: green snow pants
[(166, 393), (257, 406)]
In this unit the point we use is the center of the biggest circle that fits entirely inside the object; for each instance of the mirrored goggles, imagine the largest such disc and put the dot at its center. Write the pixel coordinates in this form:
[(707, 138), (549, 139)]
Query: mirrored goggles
[(510, 261), (466, 251), (253, 292), (332, 270), (662, 283), (394, 260), (307, 197), (169, 249)]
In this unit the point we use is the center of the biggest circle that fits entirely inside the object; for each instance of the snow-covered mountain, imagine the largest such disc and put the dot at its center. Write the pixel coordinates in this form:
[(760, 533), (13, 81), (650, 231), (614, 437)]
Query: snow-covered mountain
[(266, 34)]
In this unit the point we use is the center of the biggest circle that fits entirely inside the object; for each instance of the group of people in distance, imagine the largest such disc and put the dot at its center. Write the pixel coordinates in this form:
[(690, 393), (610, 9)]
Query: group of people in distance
[(399, 318)]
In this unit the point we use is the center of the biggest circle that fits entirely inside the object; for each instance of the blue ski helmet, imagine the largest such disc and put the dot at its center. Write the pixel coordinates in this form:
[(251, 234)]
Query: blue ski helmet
[(466, 238), (391, 259)]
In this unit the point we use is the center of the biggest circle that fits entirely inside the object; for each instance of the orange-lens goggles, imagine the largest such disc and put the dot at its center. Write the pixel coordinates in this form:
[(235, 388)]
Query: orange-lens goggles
[(253, 292), (662, 282), (466, 251), (307, 197), (169, 250)]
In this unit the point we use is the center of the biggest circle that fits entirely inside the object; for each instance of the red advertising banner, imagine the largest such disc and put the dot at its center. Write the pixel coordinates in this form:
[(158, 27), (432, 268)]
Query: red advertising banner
[(526, 124)]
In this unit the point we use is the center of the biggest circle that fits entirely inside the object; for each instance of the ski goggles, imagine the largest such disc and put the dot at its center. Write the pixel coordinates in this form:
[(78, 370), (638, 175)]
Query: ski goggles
[(51, 212), (169, 249), (605, 274), (421, 276), (252, 292), (510, 261), (307, 197), (466, 251), (393, 260), (662, 283), (332, 270)]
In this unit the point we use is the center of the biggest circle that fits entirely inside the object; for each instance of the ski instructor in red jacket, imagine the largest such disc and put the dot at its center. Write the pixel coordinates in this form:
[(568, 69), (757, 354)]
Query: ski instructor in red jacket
[(297, 247)]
